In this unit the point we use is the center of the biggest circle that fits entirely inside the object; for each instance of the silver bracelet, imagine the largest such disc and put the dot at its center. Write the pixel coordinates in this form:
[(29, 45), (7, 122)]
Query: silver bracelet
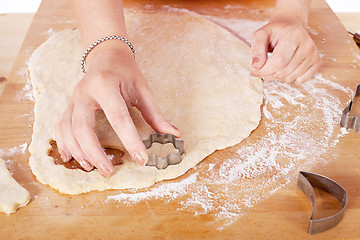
[(100, 41)]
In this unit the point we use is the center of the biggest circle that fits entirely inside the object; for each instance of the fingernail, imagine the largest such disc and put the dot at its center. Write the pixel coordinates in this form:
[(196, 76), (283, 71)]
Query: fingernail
[(255, 63), (106, 169), (176, 130), (86, 165), (62, 155), (66, 156), (297, 82), (141, 159), (253, 74), (175, 127)]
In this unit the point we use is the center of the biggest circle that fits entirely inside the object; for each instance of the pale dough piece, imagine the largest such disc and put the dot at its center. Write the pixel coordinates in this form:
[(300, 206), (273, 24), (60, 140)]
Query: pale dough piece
[(199, 73), (161, 150), (12, 194)]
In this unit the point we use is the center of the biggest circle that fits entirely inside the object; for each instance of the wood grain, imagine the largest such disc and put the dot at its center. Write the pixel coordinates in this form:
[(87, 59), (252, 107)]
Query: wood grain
[(13, 28), (284, 215), (351, 21)]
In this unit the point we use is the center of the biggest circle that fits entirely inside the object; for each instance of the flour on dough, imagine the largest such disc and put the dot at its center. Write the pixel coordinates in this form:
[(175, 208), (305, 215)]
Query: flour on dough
[(199, 73), (12, 194)]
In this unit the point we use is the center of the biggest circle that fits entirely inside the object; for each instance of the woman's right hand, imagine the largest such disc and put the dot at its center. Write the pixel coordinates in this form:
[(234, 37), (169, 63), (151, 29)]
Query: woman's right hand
[(113, 82)]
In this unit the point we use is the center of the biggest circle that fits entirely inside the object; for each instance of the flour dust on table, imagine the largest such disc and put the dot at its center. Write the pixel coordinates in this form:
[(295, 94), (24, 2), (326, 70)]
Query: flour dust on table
[(300, 125)]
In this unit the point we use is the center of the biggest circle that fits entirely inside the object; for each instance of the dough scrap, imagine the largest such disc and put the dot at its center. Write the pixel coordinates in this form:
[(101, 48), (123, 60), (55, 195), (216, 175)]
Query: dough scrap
[(12, 194), (199, 73)]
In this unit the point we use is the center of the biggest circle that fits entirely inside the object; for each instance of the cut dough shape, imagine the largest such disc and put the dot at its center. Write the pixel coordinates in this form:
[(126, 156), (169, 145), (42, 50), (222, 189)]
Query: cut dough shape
[(12, 194), (199, 73)]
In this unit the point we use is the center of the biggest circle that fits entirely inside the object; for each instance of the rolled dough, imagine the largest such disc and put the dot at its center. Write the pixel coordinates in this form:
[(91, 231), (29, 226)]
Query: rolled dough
[(199, 73), (12, 194)]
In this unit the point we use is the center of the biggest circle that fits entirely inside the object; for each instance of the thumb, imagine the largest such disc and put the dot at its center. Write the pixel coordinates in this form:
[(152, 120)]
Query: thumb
[(259, 48)]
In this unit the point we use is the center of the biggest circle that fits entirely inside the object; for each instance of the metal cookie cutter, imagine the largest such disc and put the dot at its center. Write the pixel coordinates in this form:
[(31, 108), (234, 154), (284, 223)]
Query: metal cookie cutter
[(351, 122), (171, 158), (306, 182)]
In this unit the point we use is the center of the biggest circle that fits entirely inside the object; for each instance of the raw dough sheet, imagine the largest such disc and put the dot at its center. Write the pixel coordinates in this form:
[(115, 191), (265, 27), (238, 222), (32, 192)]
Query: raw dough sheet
[(199, 73), (12, 194)]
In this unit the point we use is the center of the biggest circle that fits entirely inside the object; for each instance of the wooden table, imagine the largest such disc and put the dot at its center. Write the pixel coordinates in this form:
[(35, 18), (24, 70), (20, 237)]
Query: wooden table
[(284, 215), (14, 26)]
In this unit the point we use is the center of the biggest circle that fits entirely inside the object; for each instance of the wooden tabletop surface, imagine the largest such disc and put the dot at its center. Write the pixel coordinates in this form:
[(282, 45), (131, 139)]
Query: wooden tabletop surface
[(283, 215)]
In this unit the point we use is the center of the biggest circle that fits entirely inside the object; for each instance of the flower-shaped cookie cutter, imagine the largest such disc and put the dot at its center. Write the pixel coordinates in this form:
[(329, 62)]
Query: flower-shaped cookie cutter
[(171, 158)]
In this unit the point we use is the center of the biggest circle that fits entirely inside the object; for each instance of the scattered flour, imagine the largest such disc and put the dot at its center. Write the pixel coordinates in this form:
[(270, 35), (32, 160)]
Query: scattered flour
[(49, 32), (26, 92), (9, 152), (356, 55), (244, 29), (6, 153), (300, 124), (62, 19), (171, 190), (356, 62), (344, 131), (110, 157), (312, 31)]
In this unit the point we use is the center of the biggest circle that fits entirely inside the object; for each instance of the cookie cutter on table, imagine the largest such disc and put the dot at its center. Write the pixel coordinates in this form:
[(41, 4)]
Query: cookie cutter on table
[(306, 182), (348, 121), (171, 158)]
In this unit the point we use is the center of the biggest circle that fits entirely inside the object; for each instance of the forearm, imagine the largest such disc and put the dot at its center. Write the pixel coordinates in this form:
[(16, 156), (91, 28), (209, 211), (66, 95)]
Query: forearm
[(297, 10), (99, 18)]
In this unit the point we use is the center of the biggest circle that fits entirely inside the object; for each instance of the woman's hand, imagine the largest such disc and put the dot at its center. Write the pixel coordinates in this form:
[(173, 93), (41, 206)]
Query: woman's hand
[(294, 58), (113, 82)]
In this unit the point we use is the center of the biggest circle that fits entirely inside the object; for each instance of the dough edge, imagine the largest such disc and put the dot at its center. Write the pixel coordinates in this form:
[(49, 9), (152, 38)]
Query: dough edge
[(13, 195), (131, 176)]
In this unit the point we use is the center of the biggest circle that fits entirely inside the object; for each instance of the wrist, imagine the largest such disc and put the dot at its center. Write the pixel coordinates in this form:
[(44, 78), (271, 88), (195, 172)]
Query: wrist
[(289, 19), (108, 51), (295, 11)]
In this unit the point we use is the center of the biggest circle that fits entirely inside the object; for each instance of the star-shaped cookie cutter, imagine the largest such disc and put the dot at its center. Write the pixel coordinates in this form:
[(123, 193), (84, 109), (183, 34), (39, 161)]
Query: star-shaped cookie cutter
[(171, 158)]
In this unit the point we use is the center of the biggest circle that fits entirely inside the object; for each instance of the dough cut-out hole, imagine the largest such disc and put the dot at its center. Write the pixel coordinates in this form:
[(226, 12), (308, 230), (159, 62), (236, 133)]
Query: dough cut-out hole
[(114, 155), (3, 80), (161, 150)]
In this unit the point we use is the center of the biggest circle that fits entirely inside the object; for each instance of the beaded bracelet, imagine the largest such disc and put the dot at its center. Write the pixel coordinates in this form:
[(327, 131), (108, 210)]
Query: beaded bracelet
[(100, 41)]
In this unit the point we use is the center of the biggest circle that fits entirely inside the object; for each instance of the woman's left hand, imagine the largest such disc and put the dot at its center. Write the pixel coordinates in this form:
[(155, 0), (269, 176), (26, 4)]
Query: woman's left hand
[(294, 58)]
